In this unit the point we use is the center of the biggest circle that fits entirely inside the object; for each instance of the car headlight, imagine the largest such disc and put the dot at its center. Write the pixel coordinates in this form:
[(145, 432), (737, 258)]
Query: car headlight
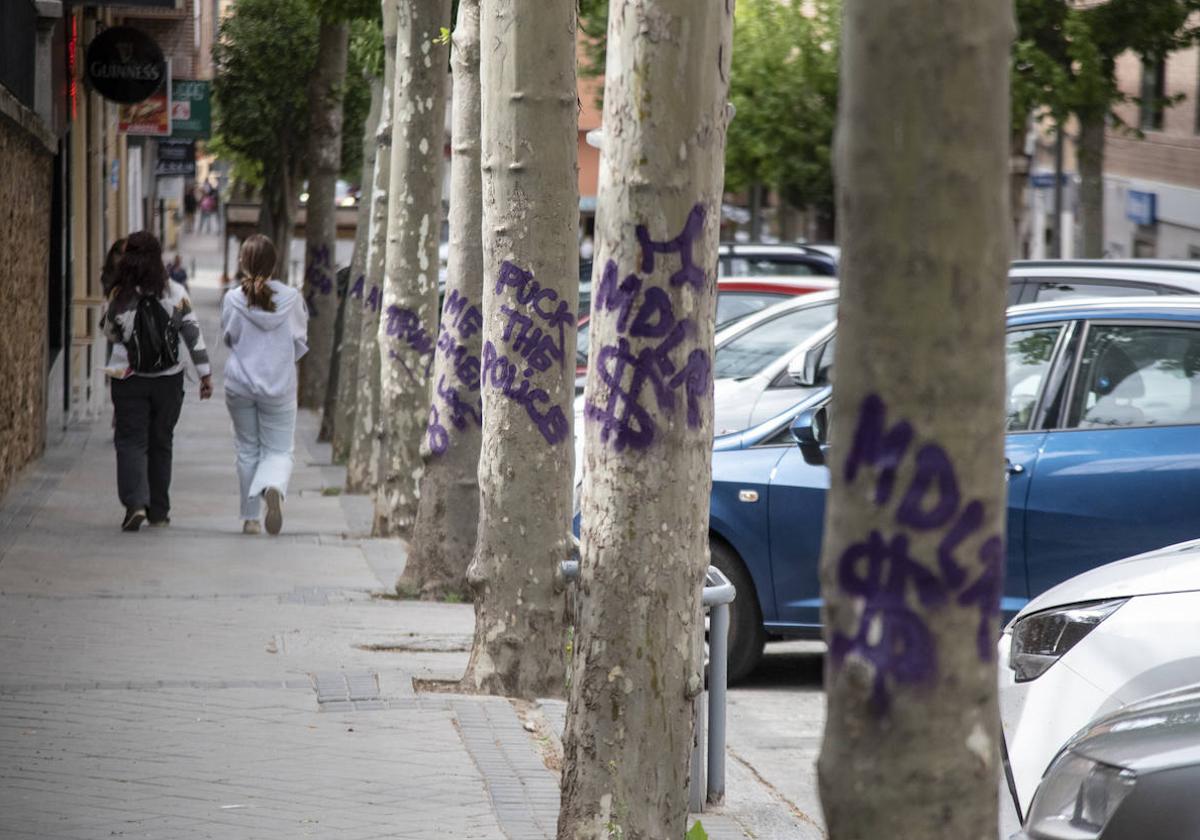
[(1077, 798), (1041, 639)]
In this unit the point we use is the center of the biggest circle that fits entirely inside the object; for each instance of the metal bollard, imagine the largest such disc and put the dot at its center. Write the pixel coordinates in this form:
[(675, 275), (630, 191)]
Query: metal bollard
[(718, 594)]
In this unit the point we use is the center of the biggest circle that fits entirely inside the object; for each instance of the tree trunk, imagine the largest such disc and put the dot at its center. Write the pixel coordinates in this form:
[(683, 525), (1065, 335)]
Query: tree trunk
[(348, 382), (913, 561), (1091, 186), (328, 407), (276, 214), (448, 511), (531, 259), (320, 227), (756, 211), (409, 319), (648, 423), (362, 468)]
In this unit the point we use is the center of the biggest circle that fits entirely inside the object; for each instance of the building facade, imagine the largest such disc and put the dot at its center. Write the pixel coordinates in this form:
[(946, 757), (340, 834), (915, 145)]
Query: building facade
[(74, 180), (1152, 183)]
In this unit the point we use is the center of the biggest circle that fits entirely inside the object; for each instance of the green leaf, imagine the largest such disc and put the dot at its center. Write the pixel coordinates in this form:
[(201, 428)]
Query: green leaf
[(696, 832)]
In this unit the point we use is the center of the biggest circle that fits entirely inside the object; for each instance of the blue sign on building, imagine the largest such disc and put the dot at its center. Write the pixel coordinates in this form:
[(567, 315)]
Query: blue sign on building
[(1141, 207)]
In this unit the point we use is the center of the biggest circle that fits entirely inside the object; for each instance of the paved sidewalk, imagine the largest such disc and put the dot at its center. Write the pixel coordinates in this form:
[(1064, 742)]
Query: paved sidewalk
[(192, 682)]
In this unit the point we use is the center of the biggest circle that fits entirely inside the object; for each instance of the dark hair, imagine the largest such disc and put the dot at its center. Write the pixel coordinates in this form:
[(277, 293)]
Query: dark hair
[(108, 274), (140, 270), (257, 260)]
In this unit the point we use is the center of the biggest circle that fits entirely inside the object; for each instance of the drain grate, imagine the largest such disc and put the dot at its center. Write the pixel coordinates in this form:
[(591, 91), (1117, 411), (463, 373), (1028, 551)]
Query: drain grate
[(342, 691)]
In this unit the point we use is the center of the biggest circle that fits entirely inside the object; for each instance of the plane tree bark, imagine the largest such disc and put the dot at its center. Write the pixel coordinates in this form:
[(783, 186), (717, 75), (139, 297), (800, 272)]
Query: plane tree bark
[(362, 467), (648, 423), (409, 318), (448, 510), (913, 560), (320, 227), (527, 367), (341, 402)]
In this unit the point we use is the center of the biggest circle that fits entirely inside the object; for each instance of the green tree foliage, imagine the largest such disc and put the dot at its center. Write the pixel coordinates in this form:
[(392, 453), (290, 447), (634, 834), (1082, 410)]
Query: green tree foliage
[(264, 57), (1064, 58), (783, 85)]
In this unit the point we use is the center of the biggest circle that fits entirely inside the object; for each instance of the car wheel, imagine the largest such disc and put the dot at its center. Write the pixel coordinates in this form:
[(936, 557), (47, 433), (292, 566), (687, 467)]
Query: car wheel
[(746, 634)]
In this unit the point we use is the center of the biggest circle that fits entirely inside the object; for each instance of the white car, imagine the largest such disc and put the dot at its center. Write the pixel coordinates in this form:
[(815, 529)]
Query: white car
[(753, 374), (1109, 637)]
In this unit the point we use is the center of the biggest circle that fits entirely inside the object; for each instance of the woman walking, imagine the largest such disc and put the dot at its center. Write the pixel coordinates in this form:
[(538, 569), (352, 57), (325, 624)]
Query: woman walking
[(145, 317), (265, 325)]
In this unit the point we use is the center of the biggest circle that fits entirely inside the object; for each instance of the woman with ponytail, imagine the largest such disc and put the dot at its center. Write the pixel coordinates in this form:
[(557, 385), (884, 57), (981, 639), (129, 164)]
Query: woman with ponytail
[(265, 326)]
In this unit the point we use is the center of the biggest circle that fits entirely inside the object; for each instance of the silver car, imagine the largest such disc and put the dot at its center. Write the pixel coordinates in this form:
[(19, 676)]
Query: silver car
[(1130, 775)]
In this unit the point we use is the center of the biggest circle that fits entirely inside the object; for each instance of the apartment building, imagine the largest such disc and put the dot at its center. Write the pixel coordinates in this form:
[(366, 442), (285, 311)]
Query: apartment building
[(1152, 183)]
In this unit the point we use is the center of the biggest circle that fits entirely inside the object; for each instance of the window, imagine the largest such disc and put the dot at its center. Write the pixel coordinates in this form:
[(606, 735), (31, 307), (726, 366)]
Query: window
[(734, 306), (747, 354), (1154, 91), (1027, 358), (1085, 288), (1138, 376)]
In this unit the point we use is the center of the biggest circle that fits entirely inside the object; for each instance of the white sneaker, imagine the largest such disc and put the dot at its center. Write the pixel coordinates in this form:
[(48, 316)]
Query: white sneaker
[(251, 526), (274, 518)]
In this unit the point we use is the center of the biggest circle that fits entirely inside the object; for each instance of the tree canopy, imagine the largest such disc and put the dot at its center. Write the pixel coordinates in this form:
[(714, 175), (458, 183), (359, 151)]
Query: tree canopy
[(783, 85), (1064, 57), (265, 55)]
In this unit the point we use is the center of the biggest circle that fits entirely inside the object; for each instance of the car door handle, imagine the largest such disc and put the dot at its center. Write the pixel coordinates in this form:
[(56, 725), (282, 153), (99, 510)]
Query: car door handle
[(1013, 469)]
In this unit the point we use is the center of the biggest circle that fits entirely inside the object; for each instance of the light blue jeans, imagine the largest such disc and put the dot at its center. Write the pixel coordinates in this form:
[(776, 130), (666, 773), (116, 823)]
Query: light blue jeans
[(263, 435)]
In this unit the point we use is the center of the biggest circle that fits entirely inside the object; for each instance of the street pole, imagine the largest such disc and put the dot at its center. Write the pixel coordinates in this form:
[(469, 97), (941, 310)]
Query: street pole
[(1056, 243)]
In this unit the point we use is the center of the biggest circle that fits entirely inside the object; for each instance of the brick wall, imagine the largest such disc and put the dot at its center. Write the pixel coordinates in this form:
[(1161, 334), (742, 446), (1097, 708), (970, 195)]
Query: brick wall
[(25, 189), (175, 33)]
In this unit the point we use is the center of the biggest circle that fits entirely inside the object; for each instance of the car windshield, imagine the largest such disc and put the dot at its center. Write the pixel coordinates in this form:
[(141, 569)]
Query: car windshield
[(750, 352), (731, 308)]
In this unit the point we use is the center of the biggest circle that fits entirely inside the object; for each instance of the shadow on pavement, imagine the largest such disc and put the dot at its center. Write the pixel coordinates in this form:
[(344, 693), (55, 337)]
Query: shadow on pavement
[(789, 665)]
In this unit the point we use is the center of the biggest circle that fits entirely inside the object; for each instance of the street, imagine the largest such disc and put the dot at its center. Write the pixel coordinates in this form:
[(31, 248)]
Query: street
[(195, 682)]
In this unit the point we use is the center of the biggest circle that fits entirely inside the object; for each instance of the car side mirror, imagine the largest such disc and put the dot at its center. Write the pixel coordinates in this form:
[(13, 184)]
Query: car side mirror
[(810, 430), (805, 369)]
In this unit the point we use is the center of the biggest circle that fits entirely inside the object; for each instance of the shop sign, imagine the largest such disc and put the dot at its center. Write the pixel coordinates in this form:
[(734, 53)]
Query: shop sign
[(191, 109), (125, 65), (149, 118), (176, 158), (1141, 208)]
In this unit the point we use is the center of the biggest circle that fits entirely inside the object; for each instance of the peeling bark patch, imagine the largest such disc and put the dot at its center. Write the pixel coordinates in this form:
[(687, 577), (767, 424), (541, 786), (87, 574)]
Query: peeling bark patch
[(529, 336), (881, 571), (625, 421)]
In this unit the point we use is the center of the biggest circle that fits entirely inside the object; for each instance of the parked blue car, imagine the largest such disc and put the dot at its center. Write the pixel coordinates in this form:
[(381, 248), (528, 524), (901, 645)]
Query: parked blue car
[(1103, 460)]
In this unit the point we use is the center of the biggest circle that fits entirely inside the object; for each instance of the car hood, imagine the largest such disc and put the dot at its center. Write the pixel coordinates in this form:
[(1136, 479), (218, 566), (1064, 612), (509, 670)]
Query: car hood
[(1159, 733), (1175, 568)]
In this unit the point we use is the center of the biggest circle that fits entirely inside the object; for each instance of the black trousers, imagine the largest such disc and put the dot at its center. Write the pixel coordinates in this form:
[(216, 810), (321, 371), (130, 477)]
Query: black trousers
[(146, 410)]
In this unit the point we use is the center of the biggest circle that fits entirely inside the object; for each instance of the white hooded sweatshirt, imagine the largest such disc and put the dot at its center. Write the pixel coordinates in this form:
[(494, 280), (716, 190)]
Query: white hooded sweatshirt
[(264, 346)]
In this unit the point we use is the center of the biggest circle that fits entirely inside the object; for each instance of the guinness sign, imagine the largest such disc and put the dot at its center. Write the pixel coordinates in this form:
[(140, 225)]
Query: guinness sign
[(125, 65)]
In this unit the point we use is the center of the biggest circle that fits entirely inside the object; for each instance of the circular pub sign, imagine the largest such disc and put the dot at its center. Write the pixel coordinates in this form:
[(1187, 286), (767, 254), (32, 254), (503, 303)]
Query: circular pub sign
[(125, 65)]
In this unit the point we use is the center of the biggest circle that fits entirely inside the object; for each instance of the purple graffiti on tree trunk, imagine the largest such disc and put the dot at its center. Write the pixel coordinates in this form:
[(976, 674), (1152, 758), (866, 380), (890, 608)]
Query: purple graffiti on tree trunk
[(373, 299), (663, 369), (319, 277), (460, 321), (532, 341), (880, 570), (356, 291)]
